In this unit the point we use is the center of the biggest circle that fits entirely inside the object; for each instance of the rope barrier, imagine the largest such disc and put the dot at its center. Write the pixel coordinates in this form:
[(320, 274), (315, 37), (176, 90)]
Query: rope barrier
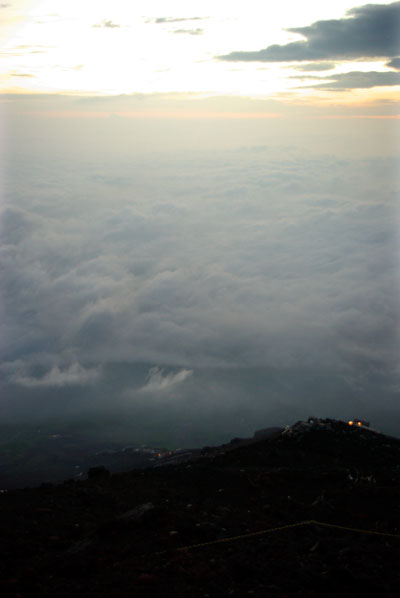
[(281, 528), (357, 530)]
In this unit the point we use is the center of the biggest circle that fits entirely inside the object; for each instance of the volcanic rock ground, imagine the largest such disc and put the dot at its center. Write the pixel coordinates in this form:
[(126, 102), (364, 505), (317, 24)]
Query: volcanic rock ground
[(173, 530)]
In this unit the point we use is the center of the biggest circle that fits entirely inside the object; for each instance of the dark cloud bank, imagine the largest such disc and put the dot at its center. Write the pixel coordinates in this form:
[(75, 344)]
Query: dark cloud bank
[(356, 80), (200, 298), (370, 31), (394, 64), (316, 66)]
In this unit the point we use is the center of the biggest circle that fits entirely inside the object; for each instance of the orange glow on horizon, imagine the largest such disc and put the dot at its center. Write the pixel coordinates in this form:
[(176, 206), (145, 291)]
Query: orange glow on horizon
[(163, 115), (196, 115), (347, 116), (202, 115)]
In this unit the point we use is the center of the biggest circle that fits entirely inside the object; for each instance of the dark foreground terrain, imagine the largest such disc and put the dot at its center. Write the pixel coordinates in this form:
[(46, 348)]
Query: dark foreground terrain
[(313, 511)]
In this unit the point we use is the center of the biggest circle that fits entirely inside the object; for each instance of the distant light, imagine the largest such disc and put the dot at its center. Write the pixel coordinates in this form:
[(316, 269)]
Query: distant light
[(356, 422)]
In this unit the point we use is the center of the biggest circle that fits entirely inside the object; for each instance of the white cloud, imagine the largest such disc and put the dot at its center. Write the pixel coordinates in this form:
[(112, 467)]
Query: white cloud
[(74, 375), (158, 381)]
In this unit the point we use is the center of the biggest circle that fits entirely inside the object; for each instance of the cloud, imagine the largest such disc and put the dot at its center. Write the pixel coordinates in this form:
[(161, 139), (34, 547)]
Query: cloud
[(394, 64), (189, 31), (23, 50), (22, 75), (107, 23), (168, 20), (74, 375), (160, 382), (370, 31), (315, 66), (357, 80), (28, 47)]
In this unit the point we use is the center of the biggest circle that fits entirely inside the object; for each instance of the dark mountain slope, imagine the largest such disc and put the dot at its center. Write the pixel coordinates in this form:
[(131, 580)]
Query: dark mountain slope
[(122, 535)]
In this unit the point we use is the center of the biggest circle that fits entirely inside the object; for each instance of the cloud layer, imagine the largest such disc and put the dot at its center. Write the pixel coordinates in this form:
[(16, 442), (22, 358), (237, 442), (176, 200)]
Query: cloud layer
[(238, 281), (161, 274)]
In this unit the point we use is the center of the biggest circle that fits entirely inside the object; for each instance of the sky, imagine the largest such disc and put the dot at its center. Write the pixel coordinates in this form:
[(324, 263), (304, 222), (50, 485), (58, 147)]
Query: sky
[(103, 48), (199, 215)]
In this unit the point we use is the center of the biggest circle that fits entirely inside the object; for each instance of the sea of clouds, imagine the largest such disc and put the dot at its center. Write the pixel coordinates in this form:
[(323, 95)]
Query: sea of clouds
[(224, 290)]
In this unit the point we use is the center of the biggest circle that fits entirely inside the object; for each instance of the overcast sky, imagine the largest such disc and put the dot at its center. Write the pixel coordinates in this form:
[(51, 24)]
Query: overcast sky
[(200, 213)]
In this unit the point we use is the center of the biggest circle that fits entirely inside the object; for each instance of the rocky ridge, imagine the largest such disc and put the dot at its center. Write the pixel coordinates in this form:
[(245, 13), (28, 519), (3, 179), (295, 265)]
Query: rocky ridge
[(202, 527)]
